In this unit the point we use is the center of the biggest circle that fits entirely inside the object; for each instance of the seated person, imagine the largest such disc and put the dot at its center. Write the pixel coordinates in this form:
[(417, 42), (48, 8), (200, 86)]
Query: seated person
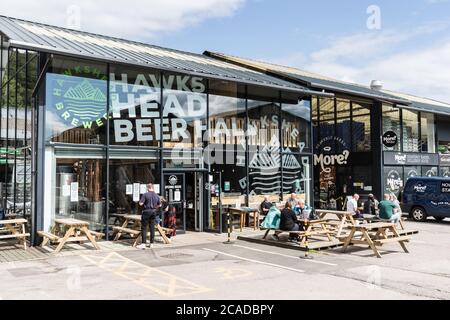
[(290, 222), (265, 206), (352, 206), (389, 210), (304, 211), (371, 205), (293, 201), (272, 219)]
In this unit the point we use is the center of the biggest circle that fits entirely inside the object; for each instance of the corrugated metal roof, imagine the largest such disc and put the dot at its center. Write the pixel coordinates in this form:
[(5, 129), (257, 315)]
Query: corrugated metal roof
[(311, 79), (42, 37), (424, 104)]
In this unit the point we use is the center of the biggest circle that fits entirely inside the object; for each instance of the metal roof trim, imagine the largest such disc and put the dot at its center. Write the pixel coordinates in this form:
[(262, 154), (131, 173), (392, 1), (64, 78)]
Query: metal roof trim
[(53, 50), (363, 94)]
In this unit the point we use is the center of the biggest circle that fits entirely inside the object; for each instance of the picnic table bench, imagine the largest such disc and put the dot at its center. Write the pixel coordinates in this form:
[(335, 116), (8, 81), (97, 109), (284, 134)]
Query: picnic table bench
[(313, 228), (74, 230), (135, 230), (243, 212), (14, 229), (375, 234)]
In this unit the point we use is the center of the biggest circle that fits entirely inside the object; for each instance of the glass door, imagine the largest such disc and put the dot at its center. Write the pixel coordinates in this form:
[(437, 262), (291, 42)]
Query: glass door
[(175, 193)]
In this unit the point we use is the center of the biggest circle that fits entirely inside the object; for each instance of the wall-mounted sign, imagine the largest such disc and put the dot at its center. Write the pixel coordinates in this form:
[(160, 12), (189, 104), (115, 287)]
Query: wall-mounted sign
[(226, 186), (444, 159), (325, 159), (390, 139), (394, 180), (415, 159)]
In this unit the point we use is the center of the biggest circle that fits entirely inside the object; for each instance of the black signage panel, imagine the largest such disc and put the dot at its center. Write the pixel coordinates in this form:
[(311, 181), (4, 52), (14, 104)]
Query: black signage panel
[(390, 139), (411, 159), (444, 159)]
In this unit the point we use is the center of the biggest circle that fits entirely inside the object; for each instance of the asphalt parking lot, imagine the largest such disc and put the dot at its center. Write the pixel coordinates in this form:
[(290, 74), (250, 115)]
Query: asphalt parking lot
[(242, 270)]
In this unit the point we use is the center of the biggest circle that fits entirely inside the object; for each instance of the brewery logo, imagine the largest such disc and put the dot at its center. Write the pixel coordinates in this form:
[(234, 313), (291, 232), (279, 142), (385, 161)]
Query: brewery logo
[(325, 159), (78, 99), (420, 188), (393, 180), (390, 139), (173, 180)]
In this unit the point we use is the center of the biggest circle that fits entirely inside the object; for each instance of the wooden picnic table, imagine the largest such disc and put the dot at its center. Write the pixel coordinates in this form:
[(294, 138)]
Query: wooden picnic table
[(14, 229), (74, 230), (135, 230), (313, 228), (243, 212), (375, 234), (344, 219)]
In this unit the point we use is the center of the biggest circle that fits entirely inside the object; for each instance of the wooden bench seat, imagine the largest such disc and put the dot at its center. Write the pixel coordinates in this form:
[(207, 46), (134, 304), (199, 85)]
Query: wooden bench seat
[(379, 242), (15, 236), (96, 234), (127, 230)]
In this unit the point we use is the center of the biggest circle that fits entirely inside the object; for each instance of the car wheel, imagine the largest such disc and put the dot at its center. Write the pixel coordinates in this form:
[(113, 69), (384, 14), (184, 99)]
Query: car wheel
[(418, 214), (439, 218)]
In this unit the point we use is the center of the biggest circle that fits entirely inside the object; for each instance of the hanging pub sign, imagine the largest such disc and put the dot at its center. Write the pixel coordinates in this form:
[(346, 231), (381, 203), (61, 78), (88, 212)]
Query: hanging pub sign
[(390, 139), (411, 159)]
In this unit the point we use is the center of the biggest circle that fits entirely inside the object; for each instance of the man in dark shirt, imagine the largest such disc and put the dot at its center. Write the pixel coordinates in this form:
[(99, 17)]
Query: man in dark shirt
[(289, 221), (151, 202), (265, 205)]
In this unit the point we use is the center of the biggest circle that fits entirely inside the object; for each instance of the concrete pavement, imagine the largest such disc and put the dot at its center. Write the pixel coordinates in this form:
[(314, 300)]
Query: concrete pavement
[(199, 266)]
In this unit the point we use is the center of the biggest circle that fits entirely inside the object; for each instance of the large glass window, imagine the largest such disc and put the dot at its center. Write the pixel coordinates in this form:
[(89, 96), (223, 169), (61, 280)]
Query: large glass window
[(393, 179), (184, 111), (427, 127), (296, 127), (297, 176), (79, 191), (264, 150), (225, 149), (391, 126), (410, 131), (343, 125), (327, 130), (135, 97), (76, 98), (127, 173), (361, 128)]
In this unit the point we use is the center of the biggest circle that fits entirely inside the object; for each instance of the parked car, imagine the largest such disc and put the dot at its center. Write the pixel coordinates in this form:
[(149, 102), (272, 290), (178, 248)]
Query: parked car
[(427, 196)]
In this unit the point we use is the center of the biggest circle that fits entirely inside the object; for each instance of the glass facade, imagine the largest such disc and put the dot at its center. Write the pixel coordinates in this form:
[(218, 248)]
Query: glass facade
[(342, 131), (412, 135), (110, 129), (18, 74)]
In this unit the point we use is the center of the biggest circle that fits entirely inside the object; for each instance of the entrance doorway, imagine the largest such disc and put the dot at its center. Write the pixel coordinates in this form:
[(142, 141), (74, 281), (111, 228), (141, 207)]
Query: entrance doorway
[(185, 193)]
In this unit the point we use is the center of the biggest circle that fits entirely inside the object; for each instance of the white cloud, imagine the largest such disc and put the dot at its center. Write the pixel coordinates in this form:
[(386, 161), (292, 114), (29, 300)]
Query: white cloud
[(397, 58), (130, 19)]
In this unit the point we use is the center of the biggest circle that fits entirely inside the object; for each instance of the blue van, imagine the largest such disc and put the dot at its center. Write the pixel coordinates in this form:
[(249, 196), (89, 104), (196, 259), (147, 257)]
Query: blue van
[(427, 196)]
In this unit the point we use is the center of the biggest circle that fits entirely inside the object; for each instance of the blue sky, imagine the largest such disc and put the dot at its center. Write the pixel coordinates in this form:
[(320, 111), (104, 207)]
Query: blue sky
[(410, 52)]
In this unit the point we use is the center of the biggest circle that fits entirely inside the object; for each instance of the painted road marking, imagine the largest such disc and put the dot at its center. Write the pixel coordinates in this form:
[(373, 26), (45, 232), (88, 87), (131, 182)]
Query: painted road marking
[(158, 281), (254, 261), (284, 255), (233, 273)]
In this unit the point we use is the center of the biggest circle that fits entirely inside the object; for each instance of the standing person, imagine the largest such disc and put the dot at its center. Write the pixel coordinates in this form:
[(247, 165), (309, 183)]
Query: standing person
[(388, 210), (371, 205), (352, 206), (151, 202)]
